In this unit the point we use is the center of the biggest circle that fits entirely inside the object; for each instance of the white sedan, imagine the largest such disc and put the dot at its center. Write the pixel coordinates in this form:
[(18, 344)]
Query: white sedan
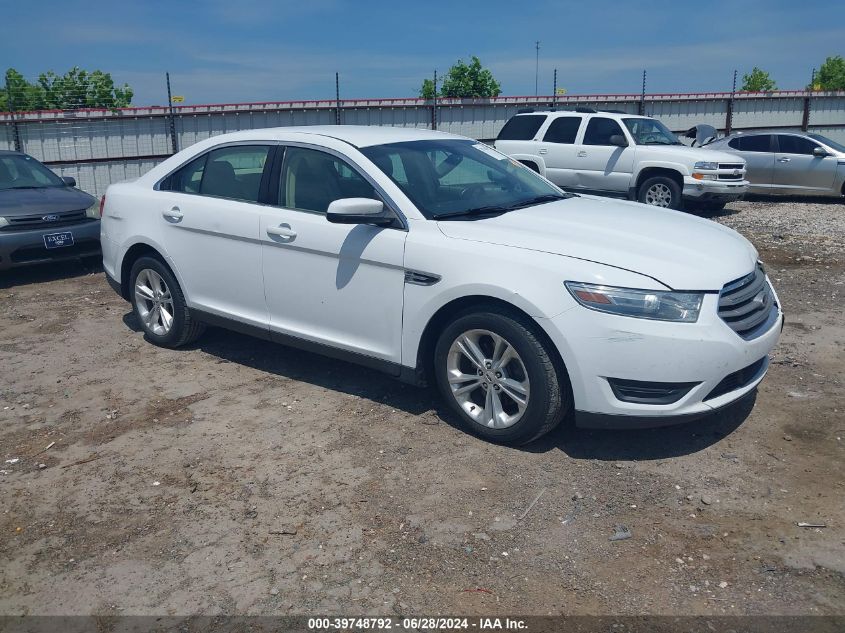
[(437, 259)]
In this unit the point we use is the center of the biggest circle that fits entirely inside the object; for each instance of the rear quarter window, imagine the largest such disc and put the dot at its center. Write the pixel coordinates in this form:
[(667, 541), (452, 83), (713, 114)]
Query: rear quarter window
[(522, 127)]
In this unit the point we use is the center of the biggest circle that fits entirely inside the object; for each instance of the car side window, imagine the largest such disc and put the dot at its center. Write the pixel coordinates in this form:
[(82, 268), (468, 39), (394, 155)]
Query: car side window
[(228, 172), (563, 130), (795, 144), (188, 178), (311, 180), (234, 172), (752, 143), (599, 130), (522, 127)]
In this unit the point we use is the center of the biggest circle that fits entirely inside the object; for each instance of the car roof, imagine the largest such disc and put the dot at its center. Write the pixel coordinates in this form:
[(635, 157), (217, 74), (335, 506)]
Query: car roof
[(355, 135), (607, 113)]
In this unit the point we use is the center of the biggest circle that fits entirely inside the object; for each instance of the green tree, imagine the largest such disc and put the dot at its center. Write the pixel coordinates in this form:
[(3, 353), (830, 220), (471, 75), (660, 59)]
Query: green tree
[(77, 88), (464, 81), (758, 81), (831, 75)]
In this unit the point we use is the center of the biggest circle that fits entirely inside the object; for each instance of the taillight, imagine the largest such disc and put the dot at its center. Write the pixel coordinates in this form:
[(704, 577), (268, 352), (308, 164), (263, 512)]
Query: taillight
[(102, 204)]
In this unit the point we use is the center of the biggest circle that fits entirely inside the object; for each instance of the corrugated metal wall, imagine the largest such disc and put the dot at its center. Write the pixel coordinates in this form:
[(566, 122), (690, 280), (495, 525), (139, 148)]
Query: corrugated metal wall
[(98, 147)]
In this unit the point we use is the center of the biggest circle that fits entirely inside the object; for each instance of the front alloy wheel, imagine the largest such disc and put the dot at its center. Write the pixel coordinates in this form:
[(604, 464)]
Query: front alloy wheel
[(488, 379), (496, 370), (658, 195)]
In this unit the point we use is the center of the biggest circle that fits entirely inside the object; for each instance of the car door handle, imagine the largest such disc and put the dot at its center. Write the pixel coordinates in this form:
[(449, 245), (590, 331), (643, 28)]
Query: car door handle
[(543, 150), (783, 160), (582, 154), (283, 230), (173, 215)]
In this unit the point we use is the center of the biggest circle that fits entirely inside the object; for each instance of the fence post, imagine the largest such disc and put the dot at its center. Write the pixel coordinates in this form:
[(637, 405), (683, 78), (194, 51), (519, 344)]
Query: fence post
[(337, 98), (805, 119), (16, 136), (554, 92), (642, 97), (173, 141), (434, 105), (729, 111)]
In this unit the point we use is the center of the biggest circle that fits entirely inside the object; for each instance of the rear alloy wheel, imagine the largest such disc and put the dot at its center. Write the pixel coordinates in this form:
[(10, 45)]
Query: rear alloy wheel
[(159, 305), (494, 372), (660, 191)]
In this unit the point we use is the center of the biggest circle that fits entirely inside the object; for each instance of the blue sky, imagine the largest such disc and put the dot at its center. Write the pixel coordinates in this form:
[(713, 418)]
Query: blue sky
[(261, 50)]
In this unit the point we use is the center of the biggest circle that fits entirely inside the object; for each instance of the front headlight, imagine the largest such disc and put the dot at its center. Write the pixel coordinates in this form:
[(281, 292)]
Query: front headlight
[(642, 304), (703, 164), (3, 222), (93, 211)]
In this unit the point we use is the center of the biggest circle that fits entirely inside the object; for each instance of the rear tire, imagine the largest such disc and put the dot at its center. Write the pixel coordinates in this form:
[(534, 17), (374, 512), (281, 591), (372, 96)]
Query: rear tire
[(660, 191), (494, 372), (159, 305)]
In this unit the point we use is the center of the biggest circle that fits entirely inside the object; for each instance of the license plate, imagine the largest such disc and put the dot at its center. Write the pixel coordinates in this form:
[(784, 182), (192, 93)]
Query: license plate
[(58, 240)]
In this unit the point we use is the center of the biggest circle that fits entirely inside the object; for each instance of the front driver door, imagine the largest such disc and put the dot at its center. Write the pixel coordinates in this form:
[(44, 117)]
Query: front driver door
[(601, 165), (798, 170), (334, 284)]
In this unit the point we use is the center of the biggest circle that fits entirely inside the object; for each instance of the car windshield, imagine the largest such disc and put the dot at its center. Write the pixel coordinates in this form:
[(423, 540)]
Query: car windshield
[(839, 147), (650, 132), (18, 171), (460, 178)]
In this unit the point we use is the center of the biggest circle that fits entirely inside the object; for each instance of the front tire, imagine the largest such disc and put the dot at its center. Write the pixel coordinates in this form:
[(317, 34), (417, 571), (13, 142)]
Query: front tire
[(160, 306), (494, 371), (660, 191)]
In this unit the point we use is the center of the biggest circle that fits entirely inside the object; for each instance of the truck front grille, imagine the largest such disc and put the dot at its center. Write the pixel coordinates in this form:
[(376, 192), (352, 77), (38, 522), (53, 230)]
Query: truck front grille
[(748, 304), (41, 221)]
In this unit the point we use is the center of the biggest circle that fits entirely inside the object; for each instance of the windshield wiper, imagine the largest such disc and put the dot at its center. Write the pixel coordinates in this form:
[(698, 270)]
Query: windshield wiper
[(549, 197), (490, 210)]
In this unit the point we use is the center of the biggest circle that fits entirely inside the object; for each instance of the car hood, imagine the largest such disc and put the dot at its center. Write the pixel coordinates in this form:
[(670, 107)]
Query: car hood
[(681, 251), (18, 202), (694, 154)]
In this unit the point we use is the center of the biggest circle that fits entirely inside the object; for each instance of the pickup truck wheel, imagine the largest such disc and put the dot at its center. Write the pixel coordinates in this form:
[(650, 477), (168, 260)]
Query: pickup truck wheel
[(160, 306), (494, 372), (660, 191)]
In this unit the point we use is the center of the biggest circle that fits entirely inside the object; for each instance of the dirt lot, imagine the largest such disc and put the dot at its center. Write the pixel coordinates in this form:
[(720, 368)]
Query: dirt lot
[(237, 476)]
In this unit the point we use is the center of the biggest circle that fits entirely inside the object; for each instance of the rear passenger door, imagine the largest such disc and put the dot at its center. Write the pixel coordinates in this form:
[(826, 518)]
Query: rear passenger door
[(600, 165), (759, 157), (208, 214), (559, 150), (798, 170)]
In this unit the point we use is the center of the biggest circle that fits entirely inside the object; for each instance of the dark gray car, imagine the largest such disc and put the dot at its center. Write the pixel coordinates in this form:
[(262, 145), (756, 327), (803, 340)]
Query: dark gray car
[(790, 163), (43, 217)]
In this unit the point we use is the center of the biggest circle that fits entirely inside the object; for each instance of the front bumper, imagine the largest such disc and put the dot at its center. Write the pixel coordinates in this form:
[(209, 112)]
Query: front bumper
[(705, 353), (23, 248), (714, 190)]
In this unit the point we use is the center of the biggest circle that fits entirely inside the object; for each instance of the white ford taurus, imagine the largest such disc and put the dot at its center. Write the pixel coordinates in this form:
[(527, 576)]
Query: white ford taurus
[(433, 257)]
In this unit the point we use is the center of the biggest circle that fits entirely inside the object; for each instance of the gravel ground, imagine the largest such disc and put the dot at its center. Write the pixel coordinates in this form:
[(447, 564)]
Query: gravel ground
[(240, 477), (810, 229)]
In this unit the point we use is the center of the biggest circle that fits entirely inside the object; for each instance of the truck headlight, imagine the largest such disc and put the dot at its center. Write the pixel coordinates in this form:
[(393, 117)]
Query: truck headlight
[(642, 304), (93, 211), (3, 222), (703, 164)]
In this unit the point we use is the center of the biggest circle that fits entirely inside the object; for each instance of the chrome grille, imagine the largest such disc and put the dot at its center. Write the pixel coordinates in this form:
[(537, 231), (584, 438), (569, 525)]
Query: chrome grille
[(748, 304), (38, 221), (739, 166)]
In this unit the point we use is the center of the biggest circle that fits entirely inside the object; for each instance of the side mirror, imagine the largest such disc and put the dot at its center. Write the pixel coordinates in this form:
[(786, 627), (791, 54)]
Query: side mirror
[(358, 211), (70, 181), (618, 140), (820, 152)]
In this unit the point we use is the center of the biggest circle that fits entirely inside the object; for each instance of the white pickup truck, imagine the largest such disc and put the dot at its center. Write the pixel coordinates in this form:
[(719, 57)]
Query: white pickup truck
[(616, 153)]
